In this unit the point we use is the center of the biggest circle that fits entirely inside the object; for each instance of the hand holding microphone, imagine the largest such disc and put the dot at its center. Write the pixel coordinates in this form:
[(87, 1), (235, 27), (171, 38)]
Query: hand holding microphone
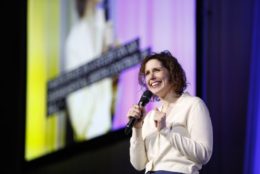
[(135, 114)]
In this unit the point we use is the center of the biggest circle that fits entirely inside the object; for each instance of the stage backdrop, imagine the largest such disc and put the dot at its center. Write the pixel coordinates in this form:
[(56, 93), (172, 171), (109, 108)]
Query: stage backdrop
[(82, 72)]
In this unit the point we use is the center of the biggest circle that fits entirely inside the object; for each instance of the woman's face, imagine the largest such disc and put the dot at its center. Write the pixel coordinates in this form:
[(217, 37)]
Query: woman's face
[(157, 78)]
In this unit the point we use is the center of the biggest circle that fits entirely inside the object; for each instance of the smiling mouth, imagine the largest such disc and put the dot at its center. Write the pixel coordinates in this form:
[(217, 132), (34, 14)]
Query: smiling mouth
[(155, 84)]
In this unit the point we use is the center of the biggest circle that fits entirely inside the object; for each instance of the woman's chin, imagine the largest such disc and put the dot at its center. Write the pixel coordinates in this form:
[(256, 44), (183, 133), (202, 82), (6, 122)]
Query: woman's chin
[(156, 92)]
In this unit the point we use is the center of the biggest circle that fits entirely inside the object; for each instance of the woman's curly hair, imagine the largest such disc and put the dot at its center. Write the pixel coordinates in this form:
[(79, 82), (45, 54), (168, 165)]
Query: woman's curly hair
[(176, 72)]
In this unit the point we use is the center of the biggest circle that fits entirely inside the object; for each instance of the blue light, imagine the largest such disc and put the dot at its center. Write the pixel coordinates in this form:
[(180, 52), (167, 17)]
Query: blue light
[(252, 151)]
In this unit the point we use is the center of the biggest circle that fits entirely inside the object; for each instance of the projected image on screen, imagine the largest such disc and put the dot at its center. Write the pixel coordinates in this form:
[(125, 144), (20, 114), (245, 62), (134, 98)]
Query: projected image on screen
[(82, 64)]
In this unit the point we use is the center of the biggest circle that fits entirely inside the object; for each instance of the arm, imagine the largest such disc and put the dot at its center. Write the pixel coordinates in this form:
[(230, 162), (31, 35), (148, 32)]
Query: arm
[(138, 156)]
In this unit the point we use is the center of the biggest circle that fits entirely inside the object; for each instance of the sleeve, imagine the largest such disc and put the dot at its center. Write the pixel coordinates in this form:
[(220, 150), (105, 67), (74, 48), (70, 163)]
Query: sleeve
[(138, 156), (198, 147)]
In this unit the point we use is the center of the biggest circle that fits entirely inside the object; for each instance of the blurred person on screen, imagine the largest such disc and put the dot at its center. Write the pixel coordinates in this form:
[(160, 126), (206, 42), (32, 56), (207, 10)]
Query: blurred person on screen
[(89, 108), (176, 136)]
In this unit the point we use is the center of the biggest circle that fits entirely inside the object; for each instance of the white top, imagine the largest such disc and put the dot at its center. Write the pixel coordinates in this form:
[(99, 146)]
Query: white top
[(89, 107), (183, 146)]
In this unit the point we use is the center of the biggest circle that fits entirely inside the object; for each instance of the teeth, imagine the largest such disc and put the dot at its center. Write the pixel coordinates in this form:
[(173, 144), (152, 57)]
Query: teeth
[(154, 84)]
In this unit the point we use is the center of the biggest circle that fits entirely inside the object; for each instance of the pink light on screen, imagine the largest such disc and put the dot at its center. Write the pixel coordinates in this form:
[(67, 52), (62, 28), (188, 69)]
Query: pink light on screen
[(160, 25)]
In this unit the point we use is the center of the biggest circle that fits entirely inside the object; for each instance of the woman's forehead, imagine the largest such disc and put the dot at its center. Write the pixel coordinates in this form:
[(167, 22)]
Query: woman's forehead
[(153, 63)]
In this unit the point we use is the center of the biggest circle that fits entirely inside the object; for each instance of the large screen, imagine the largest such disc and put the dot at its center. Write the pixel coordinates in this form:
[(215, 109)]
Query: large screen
[(83, 58)]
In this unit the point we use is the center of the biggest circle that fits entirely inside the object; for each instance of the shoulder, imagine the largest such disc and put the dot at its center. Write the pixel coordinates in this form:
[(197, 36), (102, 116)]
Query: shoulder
[(77, 32), (190, 99), (197, 105), (192, 102), (78, 27)]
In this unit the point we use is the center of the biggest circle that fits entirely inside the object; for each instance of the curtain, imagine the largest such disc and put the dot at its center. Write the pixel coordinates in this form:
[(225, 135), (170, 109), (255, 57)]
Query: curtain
[(252, 151)]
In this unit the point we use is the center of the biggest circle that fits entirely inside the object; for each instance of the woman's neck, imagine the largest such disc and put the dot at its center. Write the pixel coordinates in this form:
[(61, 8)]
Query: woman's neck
[(169, 100), (90, 11)]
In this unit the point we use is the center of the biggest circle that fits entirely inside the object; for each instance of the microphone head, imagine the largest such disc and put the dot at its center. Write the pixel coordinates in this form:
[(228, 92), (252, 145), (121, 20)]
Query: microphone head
[(145, 97)]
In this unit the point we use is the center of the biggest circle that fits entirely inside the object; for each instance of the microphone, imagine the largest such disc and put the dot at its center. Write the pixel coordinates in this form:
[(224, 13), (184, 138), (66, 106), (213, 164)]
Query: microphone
[(142, 102)]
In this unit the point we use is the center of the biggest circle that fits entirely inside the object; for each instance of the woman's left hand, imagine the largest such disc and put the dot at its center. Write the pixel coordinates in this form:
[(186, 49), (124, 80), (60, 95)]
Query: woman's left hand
[(159, 119)]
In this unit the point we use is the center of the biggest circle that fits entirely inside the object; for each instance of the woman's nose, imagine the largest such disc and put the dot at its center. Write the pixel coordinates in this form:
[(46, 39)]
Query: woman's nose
[(152, 76)]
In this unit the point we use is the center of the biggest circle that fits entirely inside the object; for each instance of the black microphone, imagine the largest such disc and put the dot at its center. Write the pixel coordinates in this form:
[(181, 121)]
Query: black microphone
[(142, 102)]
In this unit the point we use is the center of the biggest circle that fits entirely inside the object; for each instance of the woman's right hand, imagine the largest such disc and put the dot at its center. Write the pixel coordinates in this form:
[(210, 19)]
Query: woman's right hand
[(137, 112)]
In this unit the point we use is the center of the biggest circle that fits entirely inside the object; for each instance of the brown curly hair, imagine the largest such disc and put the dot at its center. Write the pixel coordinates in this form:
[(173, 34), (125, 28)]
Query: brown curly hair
[(176, 72)]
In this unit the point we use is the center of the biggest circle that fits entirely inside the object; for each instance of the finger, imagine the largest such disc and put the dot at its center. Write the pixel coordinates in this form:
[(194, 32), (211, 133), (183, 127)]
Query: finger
[(159, 115), (137, 112), (136, 106), (134, 109), (157, 111)]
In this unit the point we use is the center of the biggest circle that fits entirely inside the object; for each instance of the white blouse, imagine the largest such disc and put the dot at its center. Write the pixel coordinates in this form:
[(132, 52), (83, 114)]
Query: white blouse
[(184, 145)]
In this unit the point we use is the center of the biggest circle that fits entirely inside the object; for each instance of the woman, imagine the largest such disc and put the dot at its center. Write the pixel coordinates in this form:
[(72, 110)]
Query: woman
[(177, 136), (88, 39)]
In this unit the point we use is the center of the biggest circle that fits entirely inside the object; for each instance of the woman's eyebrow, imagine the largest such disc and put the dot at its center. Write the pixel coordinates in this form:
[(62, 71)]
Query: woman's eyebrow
[(146, 71)]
